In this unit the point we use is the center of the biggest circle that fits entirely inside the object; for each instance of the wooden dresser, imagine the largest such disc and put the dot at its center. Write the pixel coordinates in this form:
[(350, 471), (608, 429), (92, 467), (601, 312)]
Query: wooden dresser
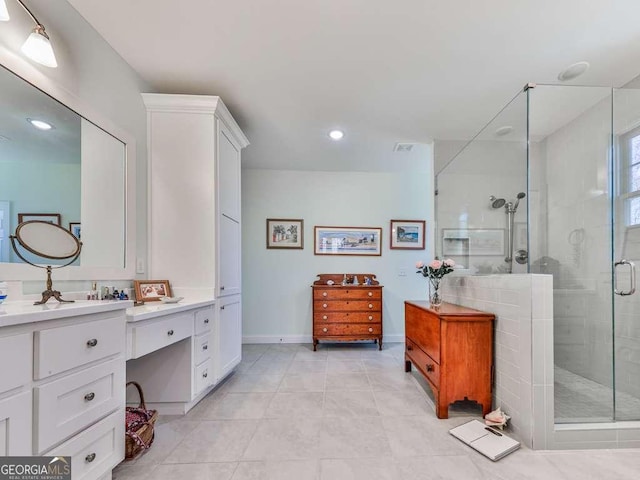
[(452, 347), (347, 312)]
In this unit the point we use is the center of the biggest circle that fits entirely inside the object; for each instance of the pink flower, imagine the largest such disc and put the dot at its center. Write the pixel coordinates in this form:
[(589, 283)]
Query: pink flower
[(435, 264), (449, 262), (419, 265)]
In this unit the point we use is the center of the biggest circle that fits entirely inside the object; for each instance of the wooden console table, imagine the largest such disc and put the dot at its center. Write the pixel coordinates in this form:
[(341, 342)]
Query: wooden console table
[(452, 347), (347, 312)]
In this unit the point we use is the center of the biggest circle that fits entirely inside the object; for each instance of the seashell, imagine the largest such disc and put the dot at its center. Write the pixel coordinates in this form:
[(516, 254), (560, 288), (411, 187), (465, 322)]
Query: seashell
[(330, 282)]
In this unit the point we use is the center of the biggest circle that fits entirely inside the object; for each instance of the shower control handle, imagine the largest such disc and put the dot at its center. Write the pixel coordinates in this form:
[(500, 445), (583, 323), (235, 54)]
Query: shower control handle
[(632, 278)]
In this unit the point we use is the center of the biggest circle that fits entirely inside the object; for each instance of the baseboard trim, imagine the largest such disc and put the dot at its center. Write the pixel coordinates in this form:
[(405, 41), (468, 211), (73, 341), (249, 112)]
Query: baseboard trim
[(259, 339)]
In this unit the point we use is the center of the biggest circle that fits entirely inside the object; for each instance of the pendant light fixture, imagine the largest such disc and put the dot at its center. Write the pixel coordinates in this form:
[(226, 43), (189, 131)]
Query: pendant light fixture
[(37, 46)]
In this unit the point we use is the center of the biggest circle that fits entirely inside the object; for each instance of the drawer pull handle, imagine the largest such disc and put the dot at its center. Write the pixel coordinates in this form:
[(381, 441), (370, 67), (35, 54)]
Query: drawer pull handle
[(90, 458), (370, 317), (370, 306), (170, 332), (92, 343), (324, 305), (430, 367), (206, 321), (89, 396), (324, 294), (222, 307), (409, 348), (205, 375), (205, 347), (370, 329), (325, 330), (324, 317), (222, 287), (371, 294)]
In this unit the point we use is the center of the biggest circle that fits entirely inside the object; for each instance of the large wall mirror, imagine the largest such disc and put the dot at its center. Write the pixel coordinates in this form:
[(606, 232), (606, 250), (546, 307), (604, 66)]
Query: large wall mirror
[(69, 171)]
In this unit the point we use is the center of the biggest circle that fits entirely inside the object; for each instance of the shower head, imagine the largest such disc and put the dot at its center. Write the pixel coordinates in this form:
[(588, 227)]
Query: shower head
[(519, 197), (497, 202)]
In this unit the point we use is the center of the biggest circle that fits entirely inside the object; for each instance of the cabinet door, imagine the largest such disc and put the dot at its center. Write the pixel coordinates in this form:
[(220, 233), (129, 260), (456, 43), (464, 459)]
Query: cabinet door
[(229, 257), (15, 425), (229, 335), (228, 174)]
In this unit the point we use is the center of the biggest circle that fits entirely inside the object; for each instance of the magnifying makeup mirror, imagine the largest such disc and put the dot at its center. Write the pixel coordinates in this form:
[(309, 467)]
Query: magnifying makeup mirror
[(49, 241)]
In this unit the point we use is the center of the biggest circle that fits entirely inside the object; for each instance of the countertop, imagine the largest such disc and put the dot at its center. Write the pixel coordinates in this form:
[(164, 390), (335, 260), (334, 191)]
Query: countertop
[(157, 309), (20, 312)]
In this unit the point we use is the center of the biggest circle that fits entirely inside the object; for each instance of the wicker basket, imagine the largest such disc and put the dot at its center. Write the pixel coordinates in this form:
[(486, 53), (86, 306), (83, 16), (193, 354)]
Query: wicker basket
[(139, 423)]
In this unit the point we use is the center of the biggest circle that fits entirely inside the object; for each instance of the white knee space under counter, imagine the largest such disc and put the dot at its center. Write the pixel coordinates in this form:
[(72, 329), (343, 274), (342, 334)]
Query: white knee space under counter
[(62, 382), (178, 353)]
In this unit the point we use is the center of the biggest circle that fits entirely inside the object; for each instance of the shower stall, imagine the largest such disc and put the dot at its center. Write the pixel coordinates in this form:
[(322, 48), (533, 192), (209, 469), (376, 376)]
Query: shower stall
[(551, 185)]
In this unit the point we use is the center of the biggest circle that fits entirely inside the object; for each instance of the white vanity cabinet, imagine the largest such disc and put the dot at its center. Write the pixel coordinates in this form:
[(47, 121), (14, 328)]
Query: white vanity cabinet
[(170, 354), (229, 338), (65, 382)]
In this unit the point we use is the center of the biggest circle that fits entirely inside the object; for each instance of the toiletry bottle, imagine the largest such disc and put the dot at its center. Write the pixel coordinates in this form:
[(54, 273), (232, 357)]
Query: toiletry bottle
[(3, 291)]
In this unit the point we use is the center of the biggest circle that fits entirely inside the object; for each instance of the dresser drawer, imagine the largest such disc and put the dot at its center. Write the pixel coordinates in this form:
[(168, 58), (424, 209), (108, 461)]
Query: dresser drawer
[(347, 317), (158, 334), (202, 348), (204, 320), (423, 329), (17, 352), (427, 365), (341, 293), (97, 450), (203, 376), (329, 329), (351, 305), (64, 348), (68, 405)]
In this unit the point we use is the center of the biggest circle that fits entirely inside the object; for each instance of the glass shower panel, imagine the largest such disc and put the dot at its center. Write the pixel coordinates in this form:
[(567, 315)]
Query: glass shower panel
[(476, 191), (571, 225), (626, 138)]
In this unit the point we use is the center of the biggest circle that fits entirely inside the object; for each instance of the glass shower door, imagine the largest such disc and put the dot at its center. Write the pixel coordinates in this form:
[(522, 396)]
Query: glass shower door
[(571, 239), (626, 167)]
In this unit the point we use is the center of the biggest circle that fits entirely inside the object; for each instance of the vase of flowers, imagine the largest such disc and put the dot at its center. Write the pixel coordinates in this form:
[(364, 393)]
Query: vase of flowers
[(434, 271)]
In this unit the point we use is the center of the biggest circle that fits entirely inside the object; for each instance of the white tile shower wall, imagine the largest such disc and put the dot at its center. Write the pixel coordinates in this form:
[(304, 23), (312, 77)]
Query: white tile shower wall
[(523, 362)]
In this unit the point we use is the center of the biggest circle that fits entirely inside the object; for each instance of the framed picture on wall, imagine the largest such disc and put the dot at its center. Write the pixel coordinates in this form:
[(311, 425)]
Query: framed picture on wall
[(74, 227), (347, 241), (42, 217), (407, 234), (285, 233)]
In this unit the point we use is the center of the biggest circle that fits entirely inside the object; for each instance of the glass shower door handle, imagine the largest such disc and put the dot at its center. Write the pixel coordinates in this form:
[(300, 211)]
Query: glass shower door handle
[(632, 278)]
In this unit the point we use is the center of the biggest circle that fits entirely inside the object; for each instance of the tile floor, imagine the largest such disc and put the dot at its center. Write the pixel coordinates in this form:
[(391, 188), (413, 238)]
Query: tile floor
[(344, 412)]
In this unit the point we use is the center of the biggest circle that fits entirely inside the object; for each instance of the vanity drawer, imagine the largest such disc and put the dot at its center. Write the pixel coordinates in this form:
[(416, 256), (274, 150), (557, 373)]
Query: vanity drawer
[(66, 406), (15, 351), (160, 333), (424, 330), (356, 293), (349, 305), (347, 317), (204, 320), (96, 450), (203, 376), (64, 348), (427, 365), (202, 346), (329, 329)]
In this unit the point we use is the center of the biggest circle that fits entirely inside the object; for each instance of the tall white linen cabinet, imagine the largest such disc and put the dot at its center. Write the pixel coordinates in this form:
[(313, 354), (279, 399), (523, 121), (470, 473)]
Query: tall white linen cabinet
[(194, 217)]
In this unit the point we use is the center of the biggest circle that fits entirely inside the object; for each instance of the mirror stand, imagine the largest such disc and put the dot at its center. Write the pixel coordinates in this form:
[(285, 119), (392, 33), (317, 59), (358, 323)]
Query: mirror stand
[(49, 292)]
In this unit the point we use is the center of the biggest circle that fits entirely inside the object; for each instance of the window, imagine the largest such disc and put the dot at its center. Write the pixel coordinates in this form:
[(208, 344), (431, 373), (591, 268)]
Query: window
[(630, 149)]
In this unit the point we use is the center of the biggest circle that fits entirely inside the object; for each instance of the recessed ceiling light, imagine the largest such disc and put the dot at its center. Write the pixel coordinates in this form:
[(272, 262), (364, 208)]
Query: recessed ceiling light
[(573, 71), (505, 130), (336, 134), (39, 124)]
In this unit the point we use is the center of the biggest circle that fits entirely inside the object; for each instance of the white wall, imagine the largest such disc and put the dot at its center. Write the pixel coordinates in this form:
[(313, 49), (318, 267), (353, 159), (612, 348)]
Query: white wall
[(90, 70), (276, 283)]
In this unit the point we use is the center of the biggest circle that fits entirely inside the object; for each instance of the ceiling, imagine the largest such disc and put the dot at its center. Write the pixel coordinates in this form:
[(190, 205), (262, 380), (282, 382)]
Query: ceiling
[(383, 71)]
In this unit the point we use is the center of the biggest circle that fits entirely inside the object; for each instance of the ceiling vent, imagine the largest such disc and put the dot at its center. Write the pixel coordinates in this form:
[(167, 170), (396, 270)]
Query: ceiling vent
[(403, 147)]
